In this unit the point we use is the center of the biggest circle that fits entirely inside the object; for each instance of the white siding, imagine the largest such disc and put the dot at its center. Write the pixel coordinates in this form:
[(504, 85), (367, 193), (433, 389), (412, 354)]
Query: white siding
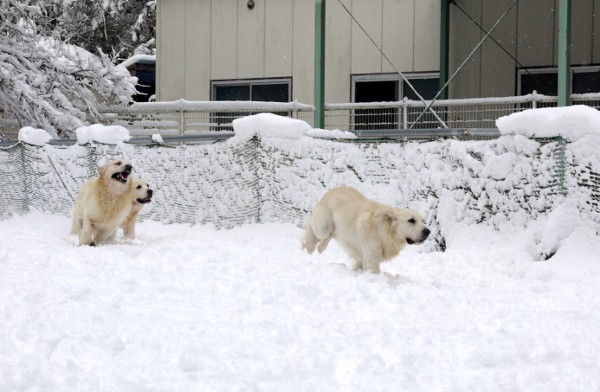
[(279, 30), (303, 45), (427, 36), (398, 30), (223, 39), (366, 58), (170, 37), (250, 40), (200, 41), (197, 51)]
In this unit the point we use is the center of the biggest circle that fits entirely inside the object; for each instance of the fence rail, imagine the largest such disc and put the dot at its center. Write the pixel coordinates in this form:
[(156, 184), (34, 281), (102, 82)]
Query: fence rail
[(180, 118)]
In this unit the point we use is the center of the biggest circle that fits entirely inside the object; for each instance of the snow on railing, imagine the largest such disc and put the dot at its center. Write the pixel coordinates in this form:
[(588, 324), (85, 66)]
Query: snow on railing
[(182, 117)]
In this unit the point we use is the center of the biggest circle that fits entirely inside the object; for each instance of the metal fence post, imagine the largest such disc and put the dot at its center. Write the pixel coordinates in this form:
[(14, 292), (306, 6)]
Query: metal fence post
[(180, 125)]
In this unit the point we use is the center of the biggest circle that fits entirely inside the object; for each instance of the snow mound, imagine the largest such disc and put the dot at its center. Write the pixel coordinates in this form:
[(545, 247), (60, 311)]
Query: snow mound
[(106, 134), (34, 136), (572, 122), (269, 125)]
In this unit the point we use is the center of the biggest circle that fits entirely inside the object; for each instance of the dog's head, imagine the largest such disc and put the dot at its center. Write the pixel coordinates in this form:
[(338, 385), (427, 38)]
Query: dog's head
[(142, 191), (116, 173), (406, 225)]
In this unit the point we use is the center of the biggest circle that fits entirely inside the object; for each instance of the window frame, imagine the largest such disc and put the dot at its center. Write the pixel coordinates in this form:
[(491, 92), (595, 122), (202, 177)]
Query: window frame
[(389, 77), (396, 116), (552, 70), (214, 84)]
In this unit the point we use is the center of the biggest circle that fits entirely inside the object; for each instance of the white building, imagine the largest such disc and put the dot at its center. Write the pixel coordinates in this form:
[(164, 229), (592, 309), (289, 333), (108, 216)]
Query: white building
[(264, 49)]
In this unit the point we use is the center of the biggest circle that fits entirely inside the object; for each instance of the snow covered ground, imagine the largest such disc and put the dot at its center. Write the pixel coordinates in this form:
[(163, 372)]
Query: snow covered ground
[(191, 308)]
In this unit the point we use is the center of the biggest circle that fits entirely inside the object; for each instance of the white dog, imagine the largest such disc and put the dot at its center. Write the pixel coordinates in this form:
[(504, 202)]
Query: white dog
[(370, 232), (103, 203), (143, 195)]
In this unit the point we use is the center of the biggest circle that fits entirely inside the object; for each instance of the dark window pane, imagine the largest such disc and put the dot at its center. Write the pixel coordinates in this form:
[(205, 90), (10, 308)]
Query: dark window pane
[(543, 83), (232, 93), (428, 88), (377, 91), (146, 85), (384, 91), (586, 82), (270, 92)]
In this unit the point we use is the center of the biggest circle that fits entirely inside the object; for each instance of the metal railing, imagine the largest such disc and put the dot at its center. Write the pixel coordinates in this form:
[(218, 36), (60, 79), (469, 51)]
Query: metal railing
[(180, 118)]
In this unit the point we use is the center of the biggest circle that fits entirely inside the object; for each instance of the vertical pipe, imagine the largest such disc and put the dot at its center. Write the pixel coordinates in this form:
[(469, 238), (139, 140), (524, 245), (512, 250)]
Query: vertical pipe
[(444, 45), (564, 52), (319, 64)]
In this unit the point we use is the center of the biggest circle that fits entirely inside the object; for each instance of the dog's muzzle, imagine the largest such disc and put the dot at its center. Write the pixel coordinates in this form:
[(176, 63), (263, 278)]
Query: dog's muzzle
[(124, 175), (424, 234), (146, 199)]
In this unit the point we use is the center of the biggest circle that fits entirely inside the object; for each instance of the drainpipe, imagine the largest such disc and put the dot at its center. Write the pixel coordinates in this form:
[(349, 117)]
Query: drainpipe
[(564, 52), (319, 64)]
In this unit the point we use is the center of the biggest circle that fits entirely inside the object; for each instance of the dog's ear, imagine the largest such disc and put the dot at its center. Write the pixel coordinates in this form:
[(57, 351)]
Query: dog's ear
[(102, 170), (387, 216)]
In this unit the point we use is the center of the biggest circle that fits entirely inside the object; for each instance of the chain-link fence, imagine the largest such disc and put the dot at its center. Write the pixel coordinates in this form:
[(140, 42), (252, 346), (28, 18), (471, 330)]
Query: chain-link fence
[(233, 182)]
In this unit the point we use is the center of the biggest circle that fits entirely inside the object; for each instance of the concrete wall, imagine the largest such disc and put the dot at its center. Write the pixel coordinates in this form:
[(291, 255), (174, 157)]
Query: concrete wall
[(200, 41)]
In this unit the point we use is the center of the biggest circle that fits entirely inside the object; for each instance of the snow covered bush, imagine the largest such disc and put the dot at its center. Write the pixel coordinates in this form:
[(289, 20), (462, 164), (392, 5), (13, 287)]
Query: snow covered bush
[(49, 84)]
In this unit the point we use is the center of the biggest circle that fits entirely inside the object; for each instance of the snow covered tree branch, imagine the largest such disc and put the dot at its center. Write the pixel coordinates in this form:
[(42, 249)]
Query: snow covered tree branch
[(47, 83)]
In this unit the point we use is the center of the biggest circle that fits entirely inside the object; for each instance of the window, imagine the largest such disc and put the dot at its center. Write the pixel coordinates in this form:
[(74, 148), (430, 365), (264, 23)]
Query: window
[(264, 90), (390, 88), (545, 80), (145, 72)]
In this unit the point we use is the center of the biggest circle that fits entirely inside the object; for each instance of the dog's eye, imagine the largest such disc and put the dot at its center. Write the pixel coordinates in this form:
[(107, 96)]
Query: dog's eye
[(412, 221), (139, 187), (118, 163)]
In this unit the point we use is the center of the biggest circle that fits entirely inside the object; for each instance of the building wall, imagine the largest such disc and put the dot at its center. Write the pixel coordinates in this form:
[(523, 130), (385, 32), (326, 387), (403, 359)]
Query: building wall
[(203, 40), (529, 33)]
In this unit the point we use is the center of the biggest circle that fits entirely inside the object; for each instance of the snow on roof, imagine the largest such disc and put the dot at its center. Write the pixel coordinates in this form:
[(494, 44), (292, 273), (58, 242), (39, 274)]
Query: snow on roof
[(571, 122)]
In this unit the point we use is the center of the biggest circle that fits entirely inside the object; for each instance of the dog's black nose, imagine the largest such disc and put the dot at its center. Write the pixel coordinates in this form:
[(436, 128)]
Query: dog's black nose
[(426, 232), (128, 168), (150, 192)]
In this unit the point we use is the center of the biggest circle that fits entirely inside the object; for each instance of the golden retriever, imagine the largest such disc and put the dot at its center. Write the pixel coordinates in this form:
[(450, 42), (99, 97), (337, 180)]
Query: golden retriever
[(370, 232), (143, 195), (103, 203)]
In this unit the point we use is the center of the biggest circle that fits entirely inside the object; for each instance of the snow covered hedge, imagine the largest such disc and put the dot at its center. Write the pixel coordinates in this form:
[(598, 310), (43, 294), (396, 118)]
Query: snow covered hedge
[(272, 171)]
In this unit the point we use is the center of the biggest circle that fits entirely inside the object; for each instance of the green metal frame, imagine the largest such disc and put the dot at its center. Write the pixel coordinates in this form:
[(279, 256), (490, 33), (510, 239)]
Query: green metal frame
[(444, 45), (319, 64), (564, 52)]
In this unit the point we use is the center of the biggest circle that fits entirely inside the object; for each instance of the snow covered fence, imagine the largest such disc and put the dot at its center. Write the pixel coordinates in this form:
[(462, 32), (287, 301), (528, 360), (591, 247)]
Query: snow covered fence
[(276, 168)]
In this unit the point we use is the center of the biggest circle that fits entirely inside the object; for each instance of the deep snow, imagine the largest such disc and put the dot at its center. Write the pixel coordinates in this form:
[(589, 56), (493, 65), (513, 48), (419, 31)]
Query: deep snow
[(185, 308), (188, 307)]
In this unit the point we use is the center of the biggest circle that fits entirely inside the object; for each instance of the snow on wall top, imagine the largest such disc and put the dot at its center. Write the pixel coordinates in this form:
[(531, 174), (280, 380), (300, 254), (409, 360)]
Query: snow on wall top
[(268, 125), (36, 137), (107, 134), (571, 122)]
